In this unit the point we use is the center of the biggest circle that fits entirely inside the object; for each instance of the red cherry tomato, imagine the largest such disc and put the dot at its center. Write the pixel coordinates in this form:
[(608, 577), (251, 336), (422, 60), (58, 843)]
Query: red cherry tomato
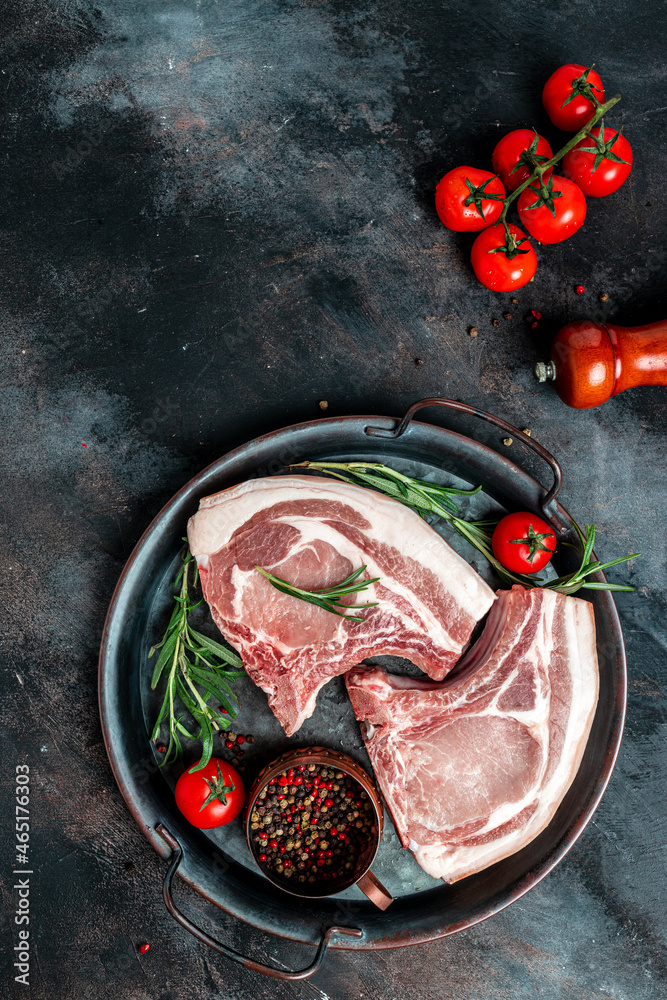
[(523, 543), (600, 163), (462, 202), (511, 156), (568, 96), (211, 797), (500, 267), (554, 215)]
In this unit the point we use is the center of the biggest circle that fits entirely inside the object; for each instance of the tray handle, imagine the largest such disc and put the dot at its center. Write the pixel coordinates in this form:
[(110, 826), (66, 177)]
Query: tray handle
[(454, 404), (234, 956)]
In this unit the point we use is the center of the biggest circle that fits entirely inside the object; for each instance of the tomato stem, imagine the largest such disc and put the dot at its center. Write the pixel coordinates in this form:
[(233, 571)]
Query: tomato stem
[(540, 168)]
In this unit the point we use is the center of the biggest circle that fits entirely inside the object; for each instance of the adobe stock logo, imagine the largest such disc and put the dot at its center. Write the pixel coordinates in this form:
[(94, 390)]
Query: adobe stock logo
[(75, 156)]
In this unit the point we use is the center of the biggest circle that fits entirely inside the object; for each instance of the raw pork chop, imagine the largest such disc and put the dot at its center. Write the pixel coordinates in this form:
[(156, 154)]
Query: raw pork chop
[(314, 532), (473, 769)]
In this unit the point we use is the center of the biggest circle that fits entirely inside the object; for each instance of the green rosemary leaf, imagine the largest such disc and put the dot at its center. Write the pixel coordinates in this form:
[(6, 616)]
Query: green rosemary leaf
[(350, 579), (184, 730), (166, 654), (216, 687), (162, 715), (207, 744), (621, 559), (202, 657), (420, 495), (176, 615), (196, 669), (186, 697), (392, 487), (177, 748), (325, 605), (327, 598), (589, 542), (228, 655), (224, 687)]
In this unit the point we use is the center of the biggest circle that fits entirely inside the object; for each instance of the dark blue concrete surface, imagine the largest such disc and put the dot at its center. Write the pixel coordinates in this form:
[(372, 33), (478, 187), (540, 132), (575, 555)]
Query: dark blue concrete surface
[(214, 215)]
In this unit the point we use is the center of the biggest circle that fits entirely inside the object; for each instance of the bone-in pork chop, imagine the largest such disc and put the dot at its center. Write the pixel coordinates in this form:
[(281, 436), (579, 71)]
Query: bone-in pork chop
[(314, 532), (473, 769)]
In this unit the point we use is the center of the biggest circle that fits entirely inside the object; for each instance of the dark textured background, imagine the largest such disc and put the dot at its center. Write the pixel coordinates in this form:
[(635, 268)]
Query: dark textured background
[(214, 215)]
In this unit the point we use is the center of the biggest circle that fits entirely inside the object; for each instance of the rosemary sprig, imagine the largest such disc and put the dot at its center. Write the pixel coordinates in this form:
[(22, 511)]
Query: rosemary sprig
[(425, 498), (196, 669), (328, 598), (431, 498), (573, 582)]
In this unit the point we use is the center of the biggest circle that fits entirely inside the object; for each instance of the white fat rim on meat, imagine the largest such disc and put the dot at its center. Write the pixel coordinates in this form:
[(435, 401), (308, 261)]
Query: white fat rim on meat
[(208, 532), (535, 720), (455, 863)]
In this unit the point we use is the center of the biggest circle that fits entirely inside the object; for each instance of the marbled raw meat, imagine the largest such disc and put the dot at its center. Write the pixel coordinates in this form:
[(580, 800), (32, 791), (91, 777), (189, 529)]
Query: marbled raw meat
[(314, 532), (473, 769)]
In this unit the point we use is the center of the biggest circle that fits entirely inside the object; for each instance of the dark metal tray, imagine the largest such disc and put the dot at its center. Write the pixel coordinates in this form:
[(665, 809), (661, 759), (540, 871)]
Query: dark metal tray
[(218, 864)]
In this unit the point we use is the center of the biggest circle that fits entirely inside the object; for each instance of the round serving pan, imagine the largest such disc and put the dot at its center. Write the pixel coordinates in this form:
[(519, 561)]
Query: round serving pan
[(414, 917)]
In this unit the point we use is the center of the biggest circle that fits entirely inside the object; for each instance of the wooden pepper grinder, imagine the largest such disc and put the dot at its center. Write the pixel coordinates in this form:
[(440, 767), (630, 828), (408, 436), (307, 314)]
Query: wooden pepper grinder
[(592, 361)]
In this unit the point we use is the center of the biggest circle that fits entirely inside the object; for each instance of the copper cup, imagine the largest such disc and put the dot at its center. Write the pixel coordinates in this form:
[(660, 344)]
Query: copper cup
[(361, 874)]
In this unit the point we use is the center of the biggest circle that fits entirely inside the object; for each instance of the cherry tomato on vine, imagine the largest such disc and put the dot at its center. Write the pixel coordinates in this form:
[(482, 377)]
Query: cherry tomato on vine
[(523, 543), (599, 163), (212, 796), (553, 212), (511, 157), (462, 199), (503, 266), (568, 96)]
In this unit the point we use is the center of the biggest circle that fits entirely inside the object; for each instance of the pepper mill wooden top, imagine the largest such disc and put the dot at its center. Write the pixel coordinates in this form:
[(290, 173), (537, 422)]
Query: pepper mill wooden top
[(592, 361)]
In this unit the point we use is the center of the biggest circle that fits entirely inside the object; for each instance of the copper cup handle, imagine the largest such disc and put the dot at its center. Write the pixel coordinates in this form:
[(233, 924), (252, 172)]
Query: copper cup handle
[(376, 892)]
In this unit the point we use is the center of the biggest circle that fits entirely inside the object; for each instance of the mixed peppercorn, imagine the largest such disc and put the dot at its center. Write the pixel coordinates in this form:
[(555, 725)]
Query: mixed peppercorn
[(235, 744), (313, 824)]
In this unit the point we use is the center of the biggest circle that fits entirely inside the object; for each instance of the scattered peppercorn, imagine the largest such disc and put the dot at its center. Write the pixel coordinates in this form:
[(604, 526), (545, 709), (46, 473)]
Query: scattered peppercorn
[(313, 828), (473, 331), (534, 325), (161, 748), (250, 739), (580, 289), (507, 315), (143, 948), (418, 362), (604, 296), (495, 322), (240, 740), (515, 302)]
